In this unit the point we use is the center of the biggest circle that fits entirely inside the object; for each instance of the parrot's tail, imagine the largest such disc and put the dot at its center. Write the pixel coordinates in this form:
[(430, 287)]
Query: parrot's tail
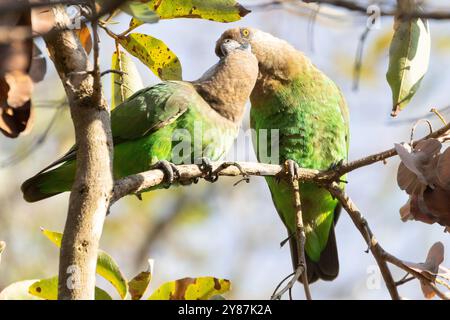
[(48, 184), (327, 268)]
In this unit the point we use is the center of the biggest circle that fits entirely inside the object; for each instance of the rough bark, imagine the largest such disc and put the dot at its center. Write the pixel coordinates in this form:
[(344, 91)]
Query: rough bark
[(91, 192)]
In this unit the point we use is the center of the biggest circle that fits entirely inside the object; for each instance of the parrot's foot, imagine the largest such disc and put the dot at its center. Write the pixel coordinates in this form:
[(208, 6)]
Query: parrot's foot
[(170, 170), (292, 169), (335, 166), (205, 166), (223, 166)]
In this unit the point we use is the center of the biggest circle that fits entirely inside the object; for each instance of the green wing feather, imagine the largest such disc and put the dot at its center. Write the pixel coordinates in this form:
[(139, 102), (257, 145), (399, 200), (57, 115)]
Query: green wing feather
[(142, 113)]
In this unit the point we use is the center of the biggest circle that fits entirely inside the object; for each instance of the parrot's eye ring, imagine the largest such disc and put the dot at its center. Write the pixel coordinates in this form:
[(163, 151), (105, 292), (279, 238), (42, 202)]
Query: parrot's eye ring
[(245, 32)]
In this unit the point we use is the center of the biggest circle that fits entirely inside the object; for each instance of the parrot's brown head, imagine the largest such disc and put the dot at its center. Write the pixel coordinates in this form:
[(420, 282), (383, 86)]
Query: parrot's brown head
[(275, 56), (243, 36)]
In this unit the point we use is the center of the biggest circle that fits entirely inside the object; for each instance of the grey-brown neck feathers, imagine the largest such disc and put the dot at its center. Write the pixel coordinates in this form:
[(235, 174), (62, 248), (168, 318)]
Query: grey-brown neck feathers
[(277, 57), (227, 85)]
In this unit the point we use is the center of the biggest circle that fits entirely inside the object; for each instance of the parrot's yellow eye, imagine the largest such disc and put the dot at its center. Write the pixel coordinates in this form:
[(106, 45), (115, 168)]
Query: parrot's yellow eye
[(245, 32)]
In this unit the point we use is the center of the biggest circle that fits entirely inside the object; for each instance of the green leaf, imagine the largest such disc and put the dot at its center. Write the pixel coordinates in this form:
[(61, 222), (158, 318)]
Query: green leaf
[(106, 266), (108, 269), (18, 291), (202, 288), (215, 10), (126, 84), (139, 284), (409, 57), (53, 236), (154, 54), (48, 289), (140, 11)]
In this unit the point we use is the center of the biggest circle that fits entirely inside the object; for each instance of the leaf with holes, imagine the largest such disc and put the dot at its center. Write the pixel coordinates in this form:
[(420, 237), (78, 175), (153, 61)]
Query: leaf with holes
[(106, 266), (48, 289), (128, 82), (214, 10), (139, 284), (154, 54), (202, 288)]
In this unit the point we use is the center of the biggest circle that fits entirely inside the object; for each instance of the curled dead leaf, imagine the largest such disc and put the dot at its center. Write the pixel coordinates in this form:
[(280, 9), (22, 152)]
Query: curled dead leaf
[(424, 174), (84, 34), (15, 83), (429, 268), (443, 170), (20, 88), (421, 160)]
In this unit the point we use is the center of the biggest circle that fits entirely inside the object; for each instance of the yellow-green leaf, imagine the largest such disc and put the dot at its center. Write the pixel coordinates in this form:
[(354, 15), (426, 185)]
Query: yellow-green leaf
[(53, 236), (124, 85), (108, 269), (139, 284), (202, 288), (48, 289), (154, 54), (106, 266), (409, 57), (215, 10), (134, 23), (18, 291)]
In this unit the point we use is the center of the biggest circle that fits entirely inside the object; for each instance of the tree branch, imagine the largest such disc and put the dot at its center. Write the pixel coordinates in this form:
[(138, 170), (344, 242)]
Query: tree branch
[(143, 181), (300, 237), (363, 227), (91, 191)]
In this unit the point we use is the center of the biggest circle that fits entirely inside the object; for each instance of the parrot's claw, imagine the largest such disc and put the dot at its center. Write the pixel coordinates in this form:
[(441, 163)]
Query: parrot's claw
[(188, 182), (292, 169), (245, 176), (170, 170), (206, 168), (335, 165), (139, 196)]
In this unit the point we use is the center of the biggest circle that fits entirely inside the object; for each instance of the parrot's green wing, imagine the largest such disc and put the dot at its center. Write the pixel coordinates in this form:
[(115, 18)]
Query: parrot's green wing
[(151, 109), (144, 112)]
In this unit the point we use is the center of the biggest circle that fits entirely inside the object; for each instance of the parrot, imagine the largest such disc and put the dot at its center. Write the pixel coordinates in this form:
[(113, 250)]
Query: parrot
[(148, 127), (309, 111)]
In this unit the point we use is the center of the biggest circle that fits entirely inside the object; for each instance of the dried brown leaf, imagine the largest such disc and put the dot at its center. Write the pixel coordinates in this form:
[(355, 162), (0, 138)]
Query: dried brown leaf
[(437, 202), (18, 119), (429, 268), (84, 34), (443, 170), (421, 161)]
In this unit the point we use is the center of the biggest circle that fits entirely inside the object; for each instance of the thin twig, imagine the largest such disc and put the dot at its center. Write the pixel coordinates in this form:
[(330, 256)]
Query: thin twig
[(300, 237), (363, 227)]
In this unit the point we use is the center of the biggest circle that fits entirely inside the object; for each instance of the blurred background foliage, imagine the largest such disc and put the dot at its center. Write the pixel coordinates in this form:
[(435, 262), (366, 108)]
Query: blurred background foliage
[(218, 229)]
